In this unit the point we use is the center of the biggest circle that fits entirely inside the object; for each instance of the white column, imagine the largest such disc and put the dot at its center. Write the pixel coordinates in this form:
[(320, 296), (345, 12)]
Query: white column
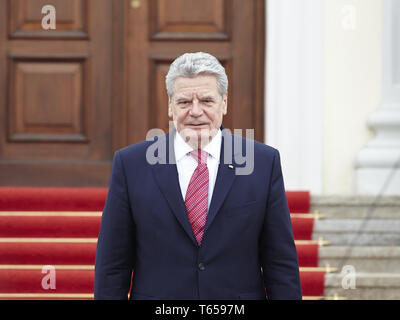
[(294, 88), (378, 164)]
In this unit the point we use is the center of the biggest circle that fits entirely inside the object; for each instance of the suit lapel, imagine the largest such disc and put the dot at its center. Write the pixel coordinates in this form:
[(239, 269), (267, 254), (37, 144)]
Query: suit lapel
[(166, 176), (224, 180)]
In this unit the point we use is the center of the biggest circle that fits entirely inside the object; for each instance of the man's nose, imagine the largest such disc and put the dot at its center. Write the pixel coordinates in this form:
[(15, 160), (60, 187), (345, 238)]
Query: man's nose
[(196, 109)]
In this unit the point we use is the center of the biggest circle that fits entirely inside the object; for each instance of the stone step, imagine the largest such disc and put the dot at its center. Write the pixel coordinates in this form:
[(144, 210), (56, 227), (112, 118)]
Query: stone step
[(362, 258), (356, 207), (368, 286), (364, 232), (360, 232)]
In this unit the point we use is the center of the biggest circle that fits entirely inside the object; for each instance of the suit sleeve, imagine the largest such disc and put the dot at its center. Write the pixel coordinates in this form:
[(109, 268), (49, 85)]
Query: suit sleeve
[(278, 251), (115, 253)]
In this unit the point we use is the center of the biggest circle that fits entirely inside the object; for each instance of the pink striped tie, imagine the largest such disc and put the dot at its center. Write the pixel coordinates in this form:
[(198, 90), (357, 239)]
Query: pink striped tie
[(196, 198)]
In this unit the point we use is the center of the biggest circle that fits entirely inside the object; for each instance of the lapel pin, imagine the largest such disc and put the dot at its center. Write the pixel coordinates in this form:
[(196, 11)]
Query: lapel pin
[(230, 166)]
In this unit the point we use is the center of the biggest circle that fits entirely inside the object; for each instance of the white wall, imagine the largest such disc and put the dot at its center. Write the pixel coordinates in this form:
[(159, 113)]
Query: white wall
[(323, 79), (376, 172), (294, 90), (352, 71)]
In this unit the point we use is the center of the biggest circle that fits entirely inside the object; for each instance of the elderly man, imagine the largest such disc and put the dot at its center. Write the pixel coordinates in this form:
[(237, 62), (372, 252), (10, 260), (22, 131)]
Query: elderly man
[(192, 227)]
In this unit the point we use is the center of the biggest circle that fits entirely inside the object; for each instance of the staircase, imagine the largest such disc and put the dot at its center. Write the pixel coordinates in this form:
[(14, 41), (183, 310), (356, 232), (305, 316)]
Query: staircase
[(365, 238), (48, 242)]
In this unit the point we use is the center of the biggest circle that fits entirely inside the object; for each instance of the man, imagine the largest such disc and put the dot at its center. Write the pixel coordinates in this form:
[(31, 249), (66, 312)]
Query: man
[(188, 226)]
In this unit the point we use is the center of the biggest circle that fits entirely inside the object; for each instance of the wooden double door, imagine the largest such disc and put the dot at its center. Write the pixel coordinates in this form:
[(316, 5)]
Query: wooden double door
[(71, 96)]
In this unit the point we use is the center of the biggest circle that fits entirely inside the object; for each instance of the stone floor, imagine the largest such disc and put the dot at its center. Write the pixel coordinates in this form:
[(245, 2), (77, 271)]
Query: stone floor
[(364, 233)]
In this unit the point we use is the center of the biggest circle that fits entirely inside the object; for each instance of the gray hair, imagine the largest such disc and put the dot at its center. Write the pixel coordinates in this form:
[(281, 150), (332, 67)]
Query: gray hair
[(190, 65)]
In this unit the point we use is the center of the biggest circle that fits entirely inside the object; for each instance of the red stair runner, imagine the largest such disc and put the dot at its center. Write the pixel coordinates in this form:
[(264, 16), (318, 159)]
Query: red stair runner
[(53, 240), (26, 281), (26, 226), (49, 226), (52, 199), (47, 253), (307, 254), (302, 227), (299, 201), (312, 283)]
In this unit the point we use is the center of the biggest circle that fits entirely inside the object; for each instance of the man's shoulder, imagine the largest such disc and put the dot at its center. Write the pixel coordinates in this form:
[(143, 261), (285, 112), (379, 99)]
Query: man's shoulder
[(265, 148), (259, 148), (135, 155), (136, 148)]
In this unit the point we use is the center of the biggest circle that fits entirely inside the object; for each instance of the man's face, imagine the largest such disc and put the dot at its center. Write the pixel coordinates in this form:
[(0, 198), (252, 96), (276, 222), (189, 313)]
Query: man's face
[(197, 109)]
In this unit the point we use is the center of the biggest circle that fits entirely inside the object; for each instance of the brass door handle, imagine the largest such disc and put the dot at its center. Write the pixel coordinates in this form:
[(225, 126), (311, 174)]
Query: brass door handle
[(135, 4)]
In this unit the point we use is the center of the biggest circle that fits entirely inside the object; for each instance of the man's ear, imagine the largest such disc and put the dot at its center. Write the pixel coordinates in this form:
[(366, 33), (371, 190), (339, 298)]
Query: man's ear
[(169, 107), (225, 106)]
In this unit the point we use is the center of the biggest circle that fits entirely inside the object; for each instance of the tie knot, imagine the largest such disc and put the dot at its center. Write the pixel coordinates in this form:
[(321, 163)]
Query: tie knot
[(200, 156)]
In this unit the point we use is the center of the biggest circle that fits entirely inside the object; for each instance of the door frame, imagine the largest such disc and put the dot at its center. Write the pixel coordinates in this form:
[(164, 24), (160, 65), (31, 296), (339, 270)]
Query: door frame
[(120, 60)]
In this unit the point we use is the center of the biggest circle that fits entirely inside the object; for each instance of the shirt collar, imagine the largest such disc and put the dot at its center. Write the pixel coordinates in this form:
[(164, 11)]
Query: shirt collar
[(182, 148)]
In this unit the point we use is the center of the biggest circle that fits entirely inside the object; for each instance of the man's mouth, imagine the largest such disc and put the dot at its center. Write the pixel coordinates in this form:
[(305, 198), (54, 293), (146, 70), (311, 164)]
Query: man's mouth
[(196, 124)]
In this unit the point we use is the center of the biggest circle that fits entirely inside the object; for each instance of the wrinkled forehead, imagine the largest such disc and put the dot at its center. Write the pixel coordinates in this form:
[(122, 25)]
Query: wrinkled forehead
[(197, 86)]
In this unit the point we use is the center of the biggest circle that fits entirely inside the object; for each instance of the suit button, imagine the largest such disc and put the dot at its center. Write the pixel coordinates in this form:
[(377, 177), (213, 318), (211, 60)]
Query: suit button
[(202, 266)]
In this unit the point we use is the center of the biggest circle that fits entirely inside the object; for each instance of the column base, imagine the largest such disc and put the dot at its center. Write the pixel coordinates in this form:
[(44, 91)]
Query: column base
[(378, 181)]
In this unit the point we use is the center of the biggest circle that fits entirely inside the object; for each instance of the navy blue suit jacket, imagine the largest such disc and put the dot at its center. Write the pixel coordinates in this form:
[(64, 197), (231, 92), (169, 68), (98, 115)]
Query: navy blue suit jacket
[(247, 251)]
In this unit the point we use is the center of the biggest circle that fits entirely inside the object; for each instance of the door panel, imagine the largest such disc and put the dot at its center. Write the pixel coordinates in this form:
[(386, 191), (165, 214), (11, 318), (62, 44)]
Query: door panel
[(70, 97), (56, 107), (161, 30), (190, 19), (25, 19)]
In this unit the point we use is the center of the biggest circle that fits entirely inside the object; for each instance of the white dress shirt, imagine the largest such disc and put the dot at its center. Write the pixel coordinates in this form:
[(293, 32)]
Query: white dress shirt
[(186, 164)]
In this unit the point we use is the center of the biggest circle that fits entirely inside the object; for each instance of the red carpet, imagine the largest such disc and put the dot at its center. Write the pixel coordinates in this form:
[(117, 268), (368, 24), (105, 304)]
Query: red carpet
[(73, 281), (49, 226), (47, 253), (26, 281), (302, 227), (312, 283), (92, 199), (88, 226), (299, 201), (307, 254), (61, 229), (83, 253), (52, 199)]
